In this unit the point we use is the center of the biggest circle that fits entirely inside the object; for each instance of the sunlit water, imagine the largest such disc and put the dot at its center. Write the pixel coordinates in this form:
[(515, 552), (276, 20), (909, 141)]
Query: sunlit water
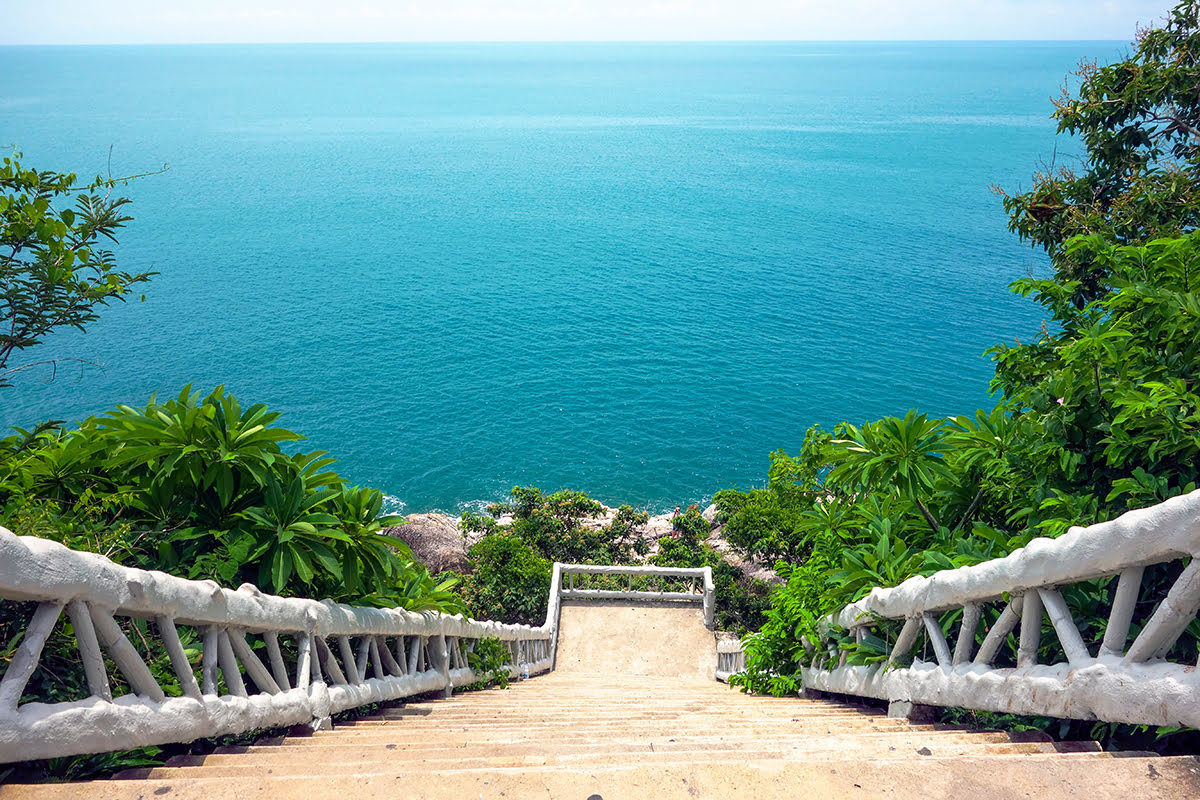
[(628, 269)]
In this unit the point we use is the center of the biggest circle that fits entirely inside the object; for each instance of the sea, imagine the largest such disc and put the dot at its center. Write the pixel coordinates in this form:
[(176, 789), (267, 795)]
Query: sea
[(629, 269)]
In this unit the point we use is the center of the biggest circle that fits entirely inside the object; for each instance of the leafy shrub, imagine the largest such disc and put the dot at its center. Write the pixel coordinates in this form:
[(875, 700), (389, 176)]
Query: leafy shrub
[(200, 487), (490, 659), (509, 580), (740, 601), (552, 524)]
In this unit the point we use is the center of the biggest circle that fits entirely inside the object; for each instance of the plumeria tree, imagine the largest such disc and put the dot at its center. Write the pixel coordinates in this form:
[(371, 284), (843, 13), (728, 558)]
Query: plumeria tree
[(1098, 414), (55, 272)]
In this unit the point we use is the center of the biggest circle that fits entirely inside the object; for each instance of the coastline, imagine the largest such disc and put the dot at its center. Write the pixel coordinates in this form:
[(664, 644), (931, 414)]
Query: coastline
[(437, 540)]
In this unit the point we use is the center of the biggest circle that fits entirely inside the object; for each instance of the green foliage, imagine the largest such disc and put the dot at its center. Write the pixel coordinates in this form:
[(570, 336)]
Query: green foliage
[(1137, 120), (54, 272), (509, 581), (200, 486), (776, 653), (741, 601), (490, 659), (905, 454), (1095, 419), (512, 564), (1097, 415), (552, 524)]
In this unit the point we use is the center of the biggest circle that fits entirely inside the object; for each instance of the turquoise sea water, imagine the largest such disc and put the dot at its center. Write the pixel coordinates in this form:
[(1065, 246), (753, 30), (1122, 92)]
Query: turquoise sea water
[(628, 269)]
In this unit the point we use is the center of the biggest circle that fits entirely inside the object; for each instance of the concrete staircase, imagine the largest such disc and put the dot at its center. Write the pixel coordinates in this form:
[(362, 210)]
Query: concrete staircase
[(574, 735), (631, 711)]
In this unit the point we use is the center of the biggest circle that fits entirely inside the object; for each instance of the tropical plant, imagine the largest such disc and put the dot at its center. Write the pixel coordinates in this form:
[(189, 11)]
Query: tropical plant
[(1138, 120), (54, 272), (509, 581), (740, 600), (201, 486), (490, 660)]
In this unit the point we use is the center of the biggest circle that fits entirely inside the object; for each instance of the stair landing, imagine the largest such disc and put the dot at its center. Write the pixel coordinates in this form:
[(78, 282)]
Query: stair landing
[(575, 735)]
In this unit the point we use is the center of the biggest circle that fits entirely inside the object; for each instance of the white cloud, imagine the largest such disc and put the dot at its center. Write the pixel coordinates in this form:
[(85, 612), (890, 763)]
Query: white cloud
[(128, 21)]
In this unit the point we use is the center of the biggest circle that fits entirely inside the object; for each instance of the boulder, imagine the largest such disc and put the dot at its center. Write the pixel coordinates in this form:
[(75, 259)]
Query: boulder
[(435, 540), (748, 567)]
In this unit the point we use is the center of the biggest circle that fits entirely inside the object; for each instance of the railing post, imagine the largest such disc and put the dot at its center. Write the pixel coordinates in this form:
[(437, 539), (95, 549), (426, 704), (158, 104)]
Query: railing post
[(710, 599), (1173, 615), (1116, 634), (442, 655), (1031, 629), (966, 634), (29, 652), (89, 650)]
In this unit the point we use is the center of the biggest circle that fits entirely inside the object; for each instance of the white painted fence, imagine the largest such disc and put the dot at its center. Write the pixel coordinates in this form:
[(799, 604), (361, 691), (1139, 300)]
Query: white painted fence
[(730, 658), (699, 586), (343, 656), (320, 657), (1112, 679)]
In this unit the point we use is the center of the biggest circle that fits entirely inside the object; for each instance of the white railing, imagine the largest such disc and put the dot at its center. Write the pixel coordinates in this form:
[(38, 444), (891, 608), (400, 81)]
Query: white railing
[(696, 585), (320, 657), (730, 658), (1110, 679)]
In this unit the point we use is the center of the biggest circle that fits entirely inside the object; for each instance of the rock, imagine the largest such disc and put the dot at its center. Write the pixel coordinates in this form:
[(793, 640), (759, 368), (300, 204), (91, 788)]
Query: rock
[(601, 521), (748, 568), (659, 526), (435, 540)]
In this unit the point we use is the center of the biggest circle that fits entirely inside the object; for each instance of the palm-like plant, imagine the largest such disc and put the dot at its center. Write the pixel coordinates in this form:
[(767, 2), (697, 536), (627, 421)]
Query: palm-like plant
[(209, 449), (294, 533), (905, 455), (368, 557)]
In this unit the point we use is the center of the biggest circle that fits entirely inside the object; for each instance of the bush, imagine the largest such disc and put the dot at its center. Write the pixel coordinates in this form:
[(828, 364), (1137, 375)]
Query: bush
[(200, 487), (741, 601), (509, 581)]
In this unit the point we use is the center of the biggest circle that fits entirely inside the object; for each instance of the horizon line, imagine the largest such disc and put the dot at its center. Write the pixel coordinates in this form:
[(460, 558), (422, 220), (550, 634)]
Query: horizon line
[(215, 43)]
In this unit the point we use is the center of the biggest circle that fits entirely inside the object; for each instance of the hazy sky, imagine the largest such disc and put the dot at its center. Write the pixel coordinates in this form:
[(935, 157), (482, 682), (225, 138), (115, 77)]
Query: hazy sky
[(137, 21)]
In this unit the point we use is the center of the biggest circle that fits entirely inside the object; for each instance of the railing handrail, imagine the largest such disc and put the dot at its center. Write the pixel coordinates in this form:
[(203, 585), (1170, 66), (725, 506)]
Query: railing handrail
[(408, 652), (1114, 680), (34, 569), (706, 595), (430, 654), (633, 569), (1137, 538)]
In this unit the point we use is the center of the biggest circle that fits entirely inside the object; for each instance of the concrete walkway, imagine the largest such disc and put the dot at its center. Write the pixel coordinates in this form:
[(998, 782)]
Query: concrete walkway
[(578, 736), (667, 640), (604, 725)]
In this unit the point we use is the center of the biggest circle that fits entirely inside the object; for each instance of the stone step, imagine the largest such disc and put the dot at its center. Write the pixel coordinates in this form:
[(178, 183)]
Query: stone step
[(336, 751), (460, 740), (1046, 777), (594, 710), (520, 718), (742, 727), (460, 745), (368, 737), (598, 720), (450, 760), (644, 704)]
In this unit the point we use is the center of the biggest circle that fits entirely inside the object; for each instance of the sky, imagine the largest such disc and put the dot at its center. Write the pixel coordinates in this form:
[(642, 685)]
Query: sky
[(176, 21)]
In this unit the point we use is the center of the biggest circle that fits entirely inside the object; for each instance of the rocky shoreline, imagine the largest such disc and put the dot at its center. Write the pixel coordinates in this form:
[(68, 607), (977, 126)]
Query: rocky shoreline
[(436, 540)]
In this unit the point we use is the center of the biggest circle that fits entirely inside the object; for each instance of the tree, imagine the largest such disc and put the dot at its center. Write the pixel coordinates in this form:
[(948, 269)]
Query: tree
[(54, 273), (1098, 414), (1139, 122)]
